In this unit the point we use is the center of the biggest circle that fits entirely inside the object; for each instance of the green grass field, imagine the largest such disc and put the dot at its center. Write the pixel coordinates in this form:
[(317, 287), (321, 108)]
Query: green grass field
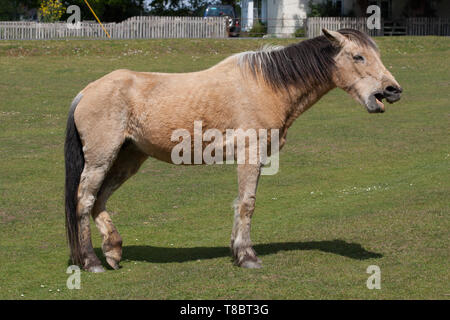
[(354, 189)]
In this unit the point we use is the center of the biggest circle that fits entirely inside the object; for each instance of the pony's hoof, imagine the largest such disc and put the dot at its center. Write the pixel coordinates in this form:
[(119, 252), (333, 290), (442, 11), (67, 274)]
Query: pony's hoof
[(251, 264), (96, 269), (113, 263)]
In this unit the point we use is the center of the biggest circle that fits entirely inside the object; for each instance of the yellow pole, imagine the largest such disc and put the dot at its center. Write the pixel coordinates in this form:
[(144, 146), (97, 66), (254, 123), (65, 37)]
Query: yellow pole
[(98, 20)]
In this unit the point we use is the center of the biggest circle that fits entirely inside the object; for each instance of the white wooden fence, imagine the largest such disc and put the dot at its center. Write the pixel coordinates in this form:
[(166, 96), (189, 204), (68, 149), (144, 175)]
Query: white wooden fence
[(314, 25), (132, 28), (198, 27), (408, 26), (428, 26)]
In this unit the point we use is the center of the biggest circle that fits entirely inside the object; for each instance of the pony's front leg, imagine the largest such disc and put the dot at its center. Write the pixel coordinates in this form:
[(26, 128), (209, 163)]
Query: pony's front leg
[(241, 246)]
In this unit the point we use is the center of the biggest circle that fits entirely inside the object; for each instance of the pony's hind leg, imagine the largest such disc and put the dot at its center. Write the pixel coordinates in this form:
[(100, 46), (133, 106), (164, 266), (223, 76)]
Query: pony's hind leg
[(241, 246), (91, 180), (126, 164), (100, 148)]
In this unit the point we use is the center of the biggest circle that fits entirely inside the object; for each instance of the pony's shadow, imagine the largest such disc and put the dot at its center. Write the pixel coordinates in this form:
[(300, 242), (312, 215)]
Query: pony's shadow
[(171, 254)]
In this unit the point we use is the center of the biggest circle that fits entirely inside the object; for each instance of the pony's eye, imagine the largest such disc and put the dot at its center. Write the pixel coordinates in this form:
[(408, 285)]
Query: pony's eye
[(358, 58)]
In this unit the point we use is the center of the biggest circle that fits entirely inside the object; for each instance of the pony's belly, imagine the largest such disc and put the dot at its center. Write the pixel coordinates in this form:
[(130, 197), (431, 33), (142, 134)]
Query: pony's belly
[(188, 151), (158, 151)]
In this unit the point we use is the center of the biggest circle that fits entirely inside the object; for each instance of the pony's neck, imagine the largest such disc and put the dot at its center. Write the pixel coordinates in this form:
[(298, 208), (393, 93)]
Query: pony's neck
[(299, 100), (300, 74)]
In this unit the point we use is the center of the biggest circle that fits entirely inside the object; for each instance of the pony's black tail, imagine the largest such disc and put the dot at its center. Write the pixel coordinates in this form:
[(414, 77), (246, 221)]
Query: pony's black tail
[(74, 159)]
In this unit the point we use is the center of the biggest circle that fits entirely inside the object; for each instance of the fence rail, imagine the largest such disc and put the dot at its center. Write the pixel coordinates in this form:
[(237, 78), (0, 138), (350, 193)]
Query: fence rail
[(132, 28), (407, 26), (198, 27)]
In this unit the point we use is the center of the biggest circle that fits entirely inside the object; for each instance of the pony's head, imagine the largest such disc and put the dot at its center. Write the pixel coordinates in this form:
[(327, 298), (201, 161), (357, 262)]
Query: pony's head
[(359, 71)]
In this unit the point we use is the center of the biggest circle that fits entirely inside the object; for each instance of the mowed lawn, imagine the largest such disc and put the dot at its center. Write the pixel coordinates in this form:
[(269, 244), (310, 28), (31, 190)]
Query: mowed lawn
[(354, 189)]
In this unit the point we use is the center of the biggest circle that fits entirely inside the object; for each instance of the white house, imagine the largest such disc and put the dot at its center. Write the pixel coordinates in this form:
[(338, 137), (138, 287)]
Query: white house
[(284, 17)]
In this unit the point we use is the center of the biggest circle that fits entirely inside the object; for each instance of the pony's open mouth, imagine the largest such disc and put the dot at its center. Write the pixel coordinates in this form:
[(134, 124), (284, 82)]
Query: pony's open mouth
[(374, 104), (379, 98)]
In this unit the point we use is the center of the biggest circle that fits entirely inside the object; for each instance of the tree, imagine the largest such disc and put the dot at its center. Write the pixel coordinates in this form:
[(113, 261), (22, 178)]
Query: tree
[(106, 10), (109, 10), (11, 10)]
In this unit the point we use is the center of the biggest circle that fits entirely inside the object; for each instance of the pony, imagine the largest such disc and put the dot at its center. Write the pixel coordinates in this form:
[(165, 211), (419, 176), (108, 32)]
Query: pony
[(116, 122)]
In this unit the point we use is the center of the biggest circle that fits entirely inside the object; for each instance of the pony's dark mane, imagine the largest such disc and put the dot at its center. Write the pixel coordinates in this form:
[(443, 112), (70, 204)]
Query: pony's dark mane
[(308, 63)]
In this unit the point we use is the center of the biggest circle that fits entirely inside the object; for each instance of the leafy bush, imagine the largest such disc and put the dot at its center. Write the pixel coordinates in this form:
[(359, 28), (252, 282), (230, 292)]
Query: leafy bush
[(300, 32), (258, 30), (51, 10)]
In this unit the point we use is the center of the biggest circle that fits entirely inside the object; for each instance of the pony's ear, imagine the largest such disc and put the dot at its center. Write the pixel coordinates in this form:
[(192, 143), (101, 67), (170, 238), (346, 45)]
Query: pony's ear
[(335, 37)]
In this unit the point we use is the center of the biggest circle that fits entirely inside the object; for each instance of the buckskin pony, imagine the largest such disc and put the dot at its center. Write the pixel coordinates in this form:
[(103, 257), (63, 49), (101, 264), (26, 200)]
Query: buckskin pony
[(118, 121)]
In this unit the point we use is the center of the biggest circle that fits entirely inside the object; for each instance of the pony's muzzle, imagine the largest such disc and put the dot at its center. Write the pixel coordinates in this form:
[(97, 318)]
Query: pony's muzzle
[(375, 102)]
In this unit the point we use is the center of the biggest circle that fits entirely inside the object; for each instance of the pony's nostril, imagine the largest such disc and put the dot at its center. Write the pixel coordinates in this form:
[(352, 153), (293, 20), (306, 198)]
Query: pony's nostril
[(393, 90)]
